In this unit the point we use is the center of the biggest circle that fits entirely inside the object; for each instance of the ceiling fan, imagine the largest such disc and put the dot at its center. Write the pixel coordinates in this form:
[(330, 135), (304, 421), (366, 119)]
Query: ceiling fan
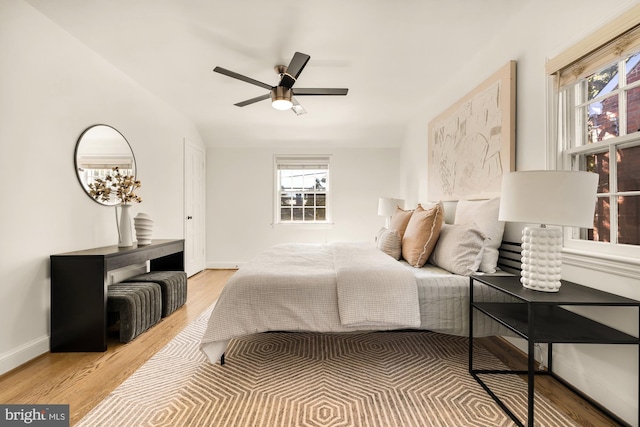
[(282, 95)]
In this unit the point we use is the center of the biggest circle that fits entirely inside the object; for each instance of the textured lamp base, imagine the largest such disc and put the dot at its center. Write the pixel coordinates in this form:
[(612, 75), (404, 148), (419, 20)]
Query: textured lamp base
[(387, 222), (541, 258)]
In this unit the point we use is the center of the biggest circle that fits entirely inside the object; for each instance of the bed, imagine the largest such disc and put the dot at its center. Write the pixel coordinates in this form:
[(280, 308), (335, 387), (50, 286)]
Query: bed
[(349, 287)]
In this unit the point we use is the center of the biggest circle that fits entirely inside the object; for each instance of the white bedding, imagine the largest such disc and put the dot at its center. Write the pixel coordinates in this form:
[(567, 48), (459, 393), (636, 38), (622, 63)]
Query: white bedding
[(374, 290), (339, 287), (444, 303)]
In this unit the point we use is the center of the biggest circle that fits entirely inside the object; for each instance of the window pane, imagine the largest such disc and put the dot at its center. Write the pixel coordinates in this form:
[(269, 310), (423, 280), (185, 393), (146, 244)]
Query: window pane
[(633, 68), (602, 119), (286, 199), (309, 180), (628, 224), (308, 214), (297, 214), (629, 168), (321, 199), (602, 82), (599, 163), (321, 182), (321, 214), (633, 109), (285, 179), (601, 231), (285, 214)]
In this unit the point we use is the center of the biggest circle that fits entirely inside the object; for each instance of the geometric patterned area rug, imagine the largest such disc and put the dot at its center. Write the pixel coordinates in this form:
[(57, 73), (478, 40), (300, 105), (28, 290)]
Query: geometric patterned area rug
[(318, 380)]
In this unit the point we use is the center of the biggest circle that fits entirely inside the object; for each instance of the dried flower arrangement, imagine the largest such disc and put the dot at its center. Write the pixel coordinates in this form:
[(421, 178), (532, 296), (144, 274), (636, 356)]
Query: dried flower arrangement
[(123, 186)]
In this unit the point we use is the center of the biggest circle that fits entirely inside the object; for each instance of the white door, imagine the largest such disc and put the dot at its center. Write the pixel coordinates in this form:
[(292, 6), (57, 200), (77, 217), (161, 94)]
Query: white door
[(194, 219)]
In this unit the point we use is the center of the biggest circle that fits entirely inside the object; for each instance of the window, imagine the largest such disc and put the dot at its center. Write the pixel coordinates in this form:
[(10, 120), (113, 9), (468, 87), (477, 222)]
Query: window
[(597, 101), (302, 189)]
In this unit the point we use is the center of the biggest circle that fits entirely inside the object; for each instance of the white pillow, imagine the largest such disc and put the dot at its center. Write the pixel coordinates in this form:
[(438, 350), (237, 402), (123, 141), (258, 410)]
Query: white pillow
[(448, 207), (459, 249), (485, 214), (389, 242)]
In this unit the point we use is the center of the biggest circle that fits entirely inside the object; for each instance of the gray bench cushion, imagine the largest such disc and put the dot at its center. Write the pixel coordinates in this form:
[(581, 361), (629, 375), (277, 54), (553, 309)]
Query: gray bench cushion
[(173, 285), (138, 306)]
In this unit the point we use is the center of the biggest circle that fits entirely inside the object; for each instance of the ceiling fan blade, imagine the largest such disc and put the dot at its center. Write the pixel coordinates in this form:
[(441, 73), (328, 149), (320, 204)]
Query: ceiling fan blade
[(241, 77), (253, 100), (297, 108), (294, 69), (320, 91)]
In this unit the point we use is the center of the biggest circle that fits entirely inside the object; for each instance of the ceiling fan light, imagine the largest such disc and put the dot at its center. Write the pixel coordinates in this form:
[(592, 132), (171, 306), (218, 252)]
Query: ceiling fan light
[(281, 104), (297, 108), (281, 98)]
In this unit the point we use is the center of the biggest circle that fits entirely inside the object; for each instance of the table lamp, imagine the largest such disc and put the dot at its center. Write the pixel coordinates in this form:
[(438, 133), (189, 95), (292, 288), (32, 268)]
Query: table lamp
[(562, 198), (387, 206)]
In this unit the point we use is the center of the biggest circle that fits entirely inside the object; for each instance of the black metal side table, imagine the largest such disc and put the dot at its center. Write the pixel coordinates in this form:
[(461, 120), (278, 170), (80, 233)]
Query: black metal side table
[(540, 317)]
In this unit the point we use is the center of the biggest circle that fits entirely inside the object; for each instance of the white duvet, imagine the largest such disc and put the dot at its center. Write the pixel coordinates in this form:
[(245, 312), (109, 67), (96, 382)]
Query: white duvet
[(338, 287)]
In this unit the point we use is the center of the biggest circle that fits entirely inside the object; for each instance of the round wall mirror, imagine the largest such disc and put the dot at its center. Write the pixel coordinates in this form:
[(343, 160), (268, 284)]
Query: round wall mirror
[(101, 148)]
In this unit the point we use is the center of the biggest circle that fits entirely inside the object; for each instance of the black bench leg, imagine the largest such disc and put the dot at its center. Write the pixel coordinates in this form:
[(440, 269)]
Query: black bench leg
[(222, 359)]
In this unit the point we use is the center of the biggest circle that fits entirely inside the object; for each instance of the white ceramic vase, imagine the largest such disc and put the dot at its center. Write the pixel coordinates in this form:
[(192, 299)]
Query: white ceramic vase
[(125, 233), (144, 228)]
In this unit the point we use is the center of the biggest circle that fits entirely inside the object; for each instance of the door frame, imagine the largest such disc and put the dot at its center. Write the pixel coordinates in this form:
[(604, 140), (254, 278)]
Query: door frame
[(198, 219)]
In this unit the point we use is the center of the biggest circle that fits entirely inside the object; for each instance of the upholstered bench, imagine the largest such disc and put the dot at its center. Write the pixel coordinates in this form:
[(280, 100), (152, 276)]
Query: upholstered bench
[(173, 285), (137, 306)]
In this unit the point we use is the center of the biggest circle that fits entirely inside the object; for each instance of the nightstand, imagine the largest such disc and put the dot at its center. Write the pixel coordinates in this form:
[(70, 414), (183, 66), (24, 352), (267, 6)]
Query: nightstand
[(540, 317)]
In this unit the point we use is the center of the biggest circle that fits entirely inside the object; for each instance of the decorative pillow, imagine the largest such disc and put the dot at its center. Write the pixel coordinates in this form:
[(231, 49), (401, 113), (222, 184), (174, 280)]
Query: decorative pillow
[(399, 220), (458, 248), (422, 234), (485, 214), (390, 243)]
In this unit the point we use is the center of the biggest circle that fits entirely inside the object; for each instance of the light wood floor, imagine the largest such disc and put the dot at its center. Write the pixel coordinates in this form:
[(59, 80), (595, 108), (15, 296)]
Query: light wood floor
[(83, 380)]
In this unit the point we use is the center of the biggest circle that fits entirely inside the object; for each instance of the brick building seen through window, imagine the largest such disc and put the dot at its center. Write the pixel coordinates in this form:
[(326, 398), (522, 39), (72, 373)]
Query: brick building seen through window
[(604, 123)]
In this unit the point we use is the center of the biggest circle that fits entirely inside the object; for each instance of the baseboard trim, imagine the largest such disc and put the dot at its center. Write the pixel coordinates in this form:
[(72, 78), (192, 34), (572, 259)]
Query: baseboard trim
[(224, 265), (24, 353)]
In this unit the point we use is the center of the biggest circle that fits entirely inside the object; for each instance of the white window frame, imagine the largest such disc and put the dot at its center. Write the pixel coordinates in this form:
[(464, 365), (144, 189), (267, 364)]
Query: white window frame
[(301, 162), (603, 47)]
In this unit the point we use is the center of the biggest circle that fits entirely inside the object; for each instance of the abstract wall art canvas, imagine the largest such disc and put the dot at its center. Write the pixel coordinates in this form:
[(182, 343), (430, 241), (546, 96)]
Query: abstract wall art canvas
[(472, 143)]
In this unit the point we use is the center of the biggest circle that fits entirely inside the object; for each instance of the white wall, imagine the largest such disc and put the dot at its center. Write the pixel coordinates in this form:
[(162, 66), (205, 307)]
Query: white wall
[(540, 31), (240, 199), (51, 89)]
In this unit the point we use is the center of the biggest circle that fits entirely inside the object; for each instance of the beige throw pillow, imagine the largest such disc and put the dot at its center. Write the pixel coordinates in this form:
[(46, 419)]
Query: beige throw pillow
[(390, 243), (399, 220), (458, 248), (422, 234)]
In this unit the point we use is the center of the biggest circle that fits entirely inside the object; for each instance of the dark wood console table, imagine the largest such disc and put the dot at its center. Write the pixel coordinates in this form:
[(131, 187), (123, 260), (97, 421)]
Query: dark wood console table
[(79, 289)]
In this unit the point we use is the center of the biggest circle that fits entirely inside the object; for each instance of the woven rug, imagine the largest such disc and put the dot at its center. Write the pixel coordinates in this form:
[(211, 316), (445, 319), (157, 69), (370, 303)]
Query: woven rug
[(307, 379)]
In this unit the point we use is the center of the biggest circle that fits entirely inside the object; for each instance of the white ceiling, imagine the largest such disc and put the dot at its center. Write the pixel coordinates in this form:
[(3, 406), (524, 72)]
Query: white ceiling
[(391, 54)]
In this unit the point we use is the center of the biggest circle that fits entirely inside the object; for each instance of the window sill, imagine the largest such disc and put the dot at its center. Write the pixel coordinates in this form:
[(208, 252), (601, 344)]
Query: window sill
[(620, 266)]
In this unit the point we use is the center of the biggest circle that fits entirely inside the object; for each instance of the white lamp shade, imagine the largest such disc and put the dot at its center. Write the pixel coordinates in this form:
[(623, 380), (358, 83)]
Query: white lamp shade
[(387, 206), (549, 197)]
